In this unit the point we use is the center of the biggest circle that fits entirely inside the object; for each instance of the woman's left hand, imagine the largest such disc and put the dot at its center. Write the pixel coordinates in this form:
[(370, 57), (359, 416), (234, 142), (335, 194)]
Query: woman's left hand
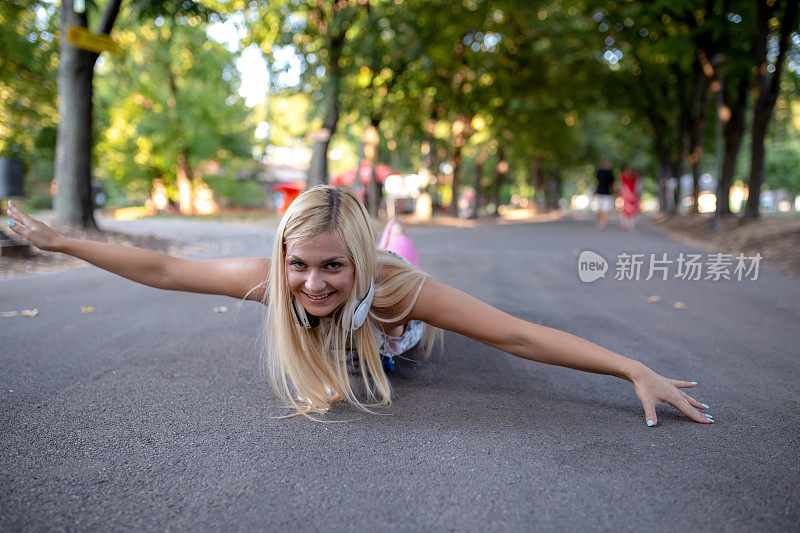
[(652, 389)]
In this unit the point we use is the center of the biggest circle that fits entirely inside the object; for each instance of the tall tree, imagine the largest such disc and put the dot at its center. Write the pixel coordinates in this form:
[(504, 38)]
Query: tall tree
[(379, 58), (732, 45), (74, 204), (775, 20), (73, 173), (314, 34)]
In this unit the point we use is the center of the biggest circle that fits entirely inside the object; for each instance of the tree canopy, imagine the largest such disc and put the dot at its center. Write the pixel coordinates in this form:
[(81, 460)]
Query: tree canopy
[(497, 96)]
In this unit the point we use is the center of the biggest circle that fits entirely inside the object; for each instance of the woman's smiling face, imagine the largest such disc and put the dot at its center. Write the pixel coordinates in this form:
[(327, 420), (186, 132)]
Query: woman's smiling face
[(320, 273)]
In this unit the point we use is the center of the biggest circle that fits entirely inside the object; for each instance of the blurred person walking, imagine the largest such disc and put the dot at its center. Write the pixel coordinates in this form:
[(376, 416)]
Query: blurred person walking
[(629, 189), (605, 200)]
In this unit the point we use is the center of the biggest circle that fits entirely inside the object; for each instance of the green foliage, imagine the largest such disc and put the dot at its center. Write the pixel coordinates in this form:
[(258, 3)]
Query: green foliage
[(283, 112), (783, 145), (28, 113), (233, 193), (170, 91), (562, 82), (783, 165)]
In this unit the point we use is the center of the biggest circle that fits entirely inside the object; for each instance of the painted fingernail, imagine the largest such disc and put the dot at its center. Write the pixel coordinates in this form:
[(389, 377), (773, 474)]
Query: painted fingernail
[(651, 423), (704, 406), (709, 417), (11, 223), (693, 382)]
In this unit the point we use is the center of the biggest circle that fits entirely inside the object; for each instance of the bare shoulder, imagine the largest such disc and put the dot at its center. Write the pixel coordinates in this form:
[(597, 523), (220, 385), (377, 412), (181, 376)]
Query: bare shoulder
[(241, 277)]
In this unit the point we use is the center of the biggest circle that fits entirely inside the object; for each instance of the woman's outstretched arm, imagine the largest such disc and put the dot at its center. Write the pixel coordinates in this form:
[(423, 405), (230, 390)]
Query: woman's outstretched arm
[(448, 308), (238, 278)]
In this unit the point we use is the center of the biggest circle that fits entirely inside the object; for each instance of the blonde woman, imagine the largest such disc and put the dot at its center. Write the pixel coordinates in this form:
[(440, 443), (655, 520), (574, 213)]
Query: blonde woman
[(336, 304)]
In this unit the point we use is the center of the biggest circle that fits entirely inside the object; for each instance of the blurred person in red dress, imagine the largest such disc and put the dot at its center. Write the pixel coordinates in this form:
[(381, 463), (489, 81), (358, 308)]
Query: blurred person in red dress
[(630, 180)]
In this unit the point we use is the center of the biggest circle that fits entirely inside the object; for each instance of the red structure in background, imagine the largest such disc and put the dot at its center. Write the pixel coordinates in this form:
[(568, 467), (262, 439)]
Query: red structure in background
[(364, 174), (290, 190)]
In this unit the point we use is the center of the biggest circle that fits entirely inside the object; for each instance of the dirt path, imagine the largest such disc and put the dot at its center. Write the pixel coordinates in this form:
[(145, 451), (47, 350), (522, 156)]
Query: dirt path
[(777, 238)]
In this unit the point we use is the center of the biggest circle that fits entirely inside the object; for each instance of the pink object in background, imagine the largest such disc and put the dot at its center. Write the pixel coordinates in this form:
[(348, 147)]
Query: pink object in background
[(394, 240), (402, 246)]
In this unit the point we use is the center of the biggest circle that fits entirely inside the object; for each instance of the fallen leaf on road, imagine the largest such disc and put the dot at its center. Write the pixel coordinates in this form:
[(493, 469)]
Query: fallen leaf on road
[(30, 312), (86, 310), (680, 305), (8, 314), (654, 299), (220, 309)]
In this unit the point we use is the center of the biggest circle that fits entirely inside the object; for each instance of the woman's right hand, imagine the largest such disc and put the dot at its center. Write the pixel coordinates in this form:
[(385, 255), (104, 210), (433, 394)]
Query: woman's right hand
[(37, 233)]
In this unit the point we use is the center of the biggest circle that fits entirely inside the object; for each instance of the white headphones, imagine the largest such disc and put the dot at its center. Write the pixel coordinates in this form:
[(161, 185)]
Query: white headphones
[(355, 312)]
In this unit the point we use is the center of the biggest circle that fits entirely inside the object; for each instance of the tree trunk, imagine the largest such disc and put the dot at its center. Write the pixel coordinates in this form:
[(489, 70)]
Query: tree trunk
[(429, 167), (457, 160), (661, 172), (662, 164), (184, 182), (501, 170), (767, 88), (428, 156), (697, 132), (73, 201), (459, 139), (554, 189), (539, 185), (73, 166), (682, 130), (318, 169), (183, 172), (733, 133), (362, 156), (659, 104), (662, 175), (477, 186), (483, 155), (761, 116), (373, 195), (676, 170)]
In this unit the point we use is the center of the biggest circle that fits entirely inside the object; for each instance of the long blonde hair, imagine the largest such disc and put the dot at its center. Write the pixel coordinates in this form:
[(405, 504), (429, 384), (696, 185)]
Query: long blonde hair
[(307, 367)]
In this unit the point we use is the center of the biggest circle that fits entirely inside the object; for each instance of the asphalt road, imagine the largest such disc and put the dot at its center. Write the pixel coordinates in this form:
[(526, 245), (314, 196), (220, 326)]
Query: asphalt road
[(150, 414)]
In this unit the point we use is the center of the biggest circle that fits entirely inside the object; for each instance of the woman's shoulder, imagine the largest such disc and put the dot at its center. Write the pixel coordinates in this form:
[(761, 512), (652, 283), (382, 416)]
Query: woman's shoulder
[(390, 265), (397, 286)]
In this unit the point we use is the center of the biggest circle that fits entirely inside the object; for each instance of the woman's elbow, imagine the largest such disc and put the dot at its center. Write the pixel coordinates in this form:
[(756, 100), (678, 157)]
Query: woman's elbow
[(521, 343)]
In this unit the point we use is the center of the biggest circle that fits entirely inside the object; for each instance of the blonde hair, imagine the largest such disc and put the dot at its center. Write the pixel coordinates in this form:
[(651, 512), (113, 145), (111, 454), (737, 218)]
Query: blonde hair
[(307, 367)]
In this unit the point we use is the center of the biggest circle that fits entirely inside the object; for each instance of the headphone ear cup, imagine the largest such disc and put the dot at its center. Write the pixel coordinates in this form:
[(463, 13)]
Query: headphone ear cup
[(359, 314)]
